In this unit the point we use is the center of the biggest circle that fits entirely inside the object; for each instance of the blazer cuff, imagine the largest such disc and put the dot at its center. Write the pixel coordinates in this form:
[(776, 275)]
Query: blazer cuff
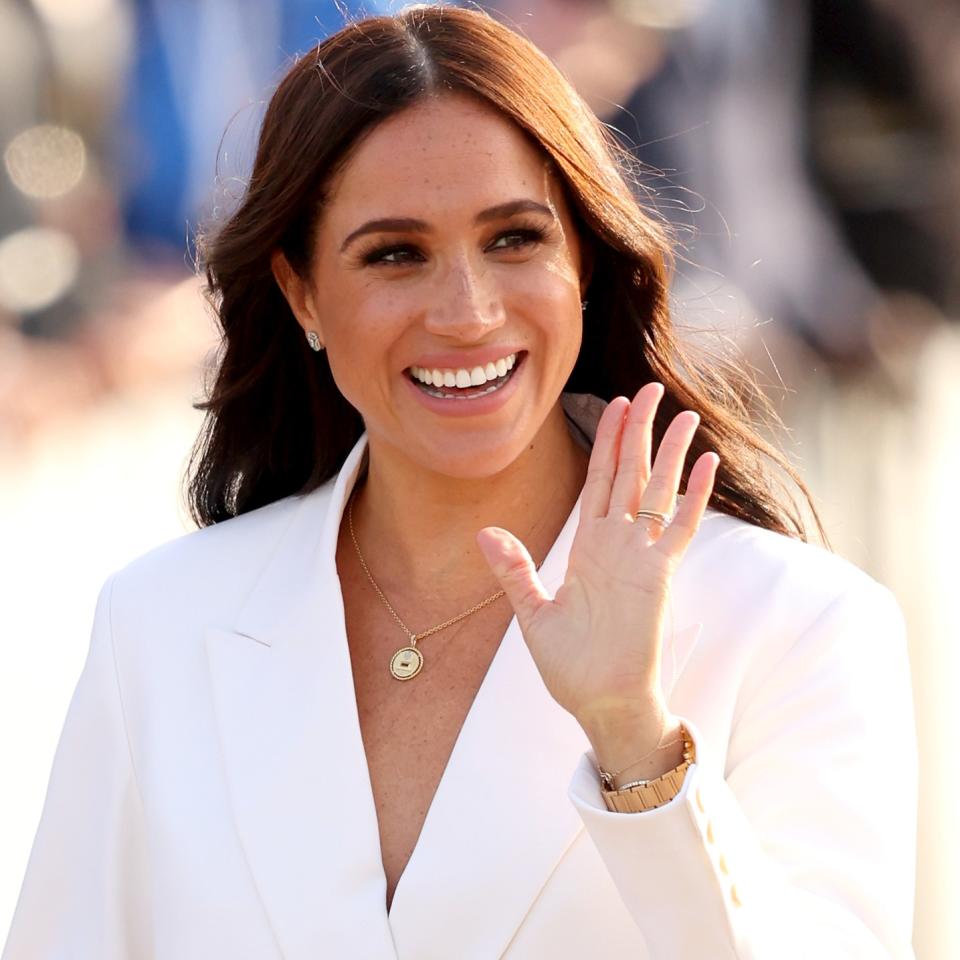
[(691, 872)]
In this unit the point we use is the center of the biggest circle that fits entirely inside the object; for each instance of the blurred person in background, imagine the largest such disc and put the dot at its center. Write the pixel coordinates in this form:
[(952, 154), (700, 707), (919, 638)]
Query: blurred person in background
[(444, 315), (797, 147)]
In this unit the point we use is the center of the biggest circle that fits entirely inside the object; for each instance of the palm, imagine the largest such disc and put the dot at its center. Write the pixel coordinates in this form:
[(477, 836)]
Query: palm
[(585, 642), (597, 642)]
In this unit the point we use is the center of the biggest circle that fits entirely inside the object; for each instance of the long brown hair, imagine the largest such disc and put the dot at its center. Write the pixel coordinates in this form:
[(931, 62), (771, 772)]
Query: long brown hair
[(277, 424)]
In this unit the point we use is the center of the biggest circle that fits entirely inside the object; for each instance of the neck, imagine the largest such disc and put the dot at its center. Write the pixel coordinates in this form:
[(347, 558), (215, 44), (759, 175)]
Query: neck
[(417, 528)]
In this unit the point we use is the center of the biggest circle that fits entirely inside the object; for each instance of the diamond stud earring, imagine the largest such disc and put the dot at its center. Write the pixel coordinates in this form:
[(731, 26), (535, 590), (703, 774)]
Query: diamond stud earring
[(313, 339)]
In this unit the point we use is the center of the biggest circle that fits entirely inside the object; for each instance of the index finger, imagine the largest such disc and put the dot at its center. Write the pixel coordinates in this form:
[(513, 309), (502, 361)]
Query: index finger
[(603, 459)]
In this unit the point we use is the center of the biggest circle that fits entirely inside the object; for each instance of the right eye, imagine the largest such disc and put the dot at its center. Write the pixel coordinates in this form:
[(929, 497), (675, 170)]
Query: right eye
[(396, 254)]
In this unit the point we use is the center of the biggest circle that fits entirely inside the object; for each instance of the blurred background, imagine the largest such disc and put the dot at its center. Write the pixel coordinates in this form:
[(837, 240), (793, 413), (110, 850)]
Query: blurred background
[(807, 153)]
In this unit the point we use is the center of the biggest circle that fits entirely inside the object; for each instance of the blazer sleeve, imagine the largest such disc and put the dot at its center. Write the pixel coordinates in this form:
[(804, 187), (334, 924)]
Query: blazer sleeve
[(805, 845), (83, 895)]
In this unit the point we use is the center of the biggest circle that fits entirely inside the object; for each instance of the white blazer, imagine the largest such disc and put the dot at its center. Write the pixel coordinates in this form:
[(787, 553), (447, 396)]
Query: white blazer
[(210, 798)]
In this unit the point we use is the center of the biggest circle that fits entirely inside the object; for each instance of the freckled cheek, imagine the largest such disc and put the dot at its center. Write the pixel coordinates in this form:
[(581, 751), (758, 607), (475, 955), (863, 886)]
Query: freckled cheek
[(552, 299), (552, 273), (562, 261), (550, 283), (363, 345), (361, 370), (555, 307)]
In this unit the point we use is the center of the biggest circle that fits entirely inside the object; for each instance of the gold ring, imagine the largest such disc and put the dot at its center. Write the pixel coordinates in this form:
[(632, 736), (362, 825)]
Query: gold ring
[(661, 518)]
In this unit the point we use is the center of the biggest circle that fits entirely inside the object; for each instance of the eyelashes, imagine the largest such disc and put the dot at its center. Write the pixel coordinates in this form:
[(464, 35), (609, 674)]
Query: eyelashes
[(525, 235)]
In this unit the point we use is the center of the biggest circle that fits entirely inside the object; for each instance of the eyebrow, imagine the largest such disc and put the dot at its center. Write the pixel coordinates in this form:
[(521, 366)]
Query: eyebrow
[(412, 225)]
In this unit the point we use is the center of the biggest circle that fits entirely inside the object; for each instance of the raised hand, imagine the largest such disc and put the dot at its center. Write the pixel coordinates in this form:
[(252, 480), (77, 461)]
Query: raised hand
[(597, 643)]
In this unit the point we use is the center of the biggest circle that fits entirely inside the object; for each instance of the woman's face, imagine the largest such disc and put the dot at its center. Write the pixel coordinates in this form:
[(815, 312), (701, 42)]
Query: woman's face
[(446, 286)]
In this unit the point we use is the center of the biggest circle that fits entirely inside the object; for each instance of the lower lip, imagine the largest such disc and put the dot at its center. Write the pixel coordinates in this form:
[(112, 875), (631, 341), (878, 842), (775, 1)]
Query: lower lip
[(466, 407)]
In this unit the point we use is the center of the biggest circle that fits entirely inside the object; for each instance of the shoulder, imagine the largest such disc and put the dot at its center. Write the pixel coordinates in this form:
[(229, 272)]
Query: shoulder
[(211, 568), (775, 610), (745, 560), (765, 593), (793, 634)]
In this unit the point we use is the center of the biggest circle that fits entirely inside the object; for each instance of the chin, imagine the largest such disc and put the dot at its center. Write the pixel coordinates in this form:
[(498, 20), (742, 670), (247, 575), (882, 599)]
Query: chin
[(471, 460)]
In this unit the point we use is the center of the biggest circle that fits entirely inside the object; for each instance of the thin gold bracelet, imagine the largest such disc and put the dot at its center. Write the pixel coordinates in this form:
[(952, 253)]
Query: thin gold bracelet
[(609, 778)]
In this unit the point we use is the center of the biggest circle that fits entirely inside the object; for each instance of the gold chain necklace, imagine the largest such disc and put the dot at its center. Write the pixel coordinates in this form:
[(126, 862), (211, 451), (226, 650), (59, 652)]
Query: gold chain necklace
[(407, 662)]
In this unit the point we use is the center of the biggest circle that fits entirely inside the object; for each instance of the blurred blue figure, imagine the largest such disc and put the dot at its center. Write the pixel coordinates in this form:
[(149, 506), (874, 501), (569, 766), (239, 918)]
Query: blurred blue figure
[(200, 74)]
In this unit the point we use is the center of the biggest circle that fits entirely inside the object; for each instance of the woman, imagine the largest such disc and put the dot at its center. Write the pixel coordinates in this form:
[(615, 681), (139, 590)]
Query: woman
[(354, 716)]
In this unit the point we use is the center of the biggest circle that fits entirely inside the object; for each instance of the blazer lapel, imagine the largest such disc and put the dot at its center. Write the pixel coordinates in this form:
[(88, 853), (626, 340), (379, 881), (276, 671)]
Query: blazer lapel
[(294, 758)]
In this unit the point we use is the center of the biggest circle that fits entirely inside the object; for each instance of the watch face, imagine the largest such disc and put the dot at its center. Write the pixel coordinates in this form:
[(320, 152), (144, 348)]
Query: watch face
[(406, 663)]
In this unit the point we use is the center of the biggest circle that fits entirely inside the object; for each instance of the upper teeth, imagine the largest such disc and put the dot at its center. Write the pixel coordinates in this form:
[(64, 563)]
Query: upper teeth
[(464, 377)]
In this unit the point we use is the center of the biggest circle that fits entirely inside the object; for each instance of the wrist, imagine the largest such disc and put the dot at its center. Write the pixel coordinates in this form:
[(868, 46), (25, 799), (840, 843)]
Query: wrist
[(640, 715), (636, 747)]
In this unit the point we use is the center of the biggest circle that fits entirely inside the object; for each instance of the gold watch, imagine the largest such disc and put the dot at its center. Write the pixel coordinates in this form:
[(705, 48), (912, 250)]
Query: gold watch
[(639, 795)]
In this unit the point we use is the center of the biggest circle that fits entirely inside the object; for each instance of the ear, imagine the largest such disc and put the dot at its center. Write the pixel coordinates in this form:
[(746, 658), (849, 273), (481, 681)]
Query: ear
[(297, 292)]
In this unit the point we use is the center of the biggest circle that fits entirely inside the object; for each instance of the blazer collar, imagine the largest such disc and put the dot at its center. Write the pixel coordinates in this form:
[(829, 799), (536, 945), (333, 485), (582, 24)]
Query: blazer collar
[(300, 788)]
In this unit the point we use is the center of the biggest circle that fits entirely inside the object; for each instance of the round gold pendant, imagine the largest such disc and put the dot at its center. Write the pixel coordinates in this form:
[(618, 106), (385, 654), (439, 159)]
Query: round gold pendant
[(406, 663)]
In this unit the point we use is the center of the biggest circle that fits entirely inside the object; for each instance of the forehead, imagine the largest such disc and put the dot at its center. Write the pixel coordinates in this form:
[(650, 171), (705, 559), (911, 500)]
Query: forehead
[(446, 151)]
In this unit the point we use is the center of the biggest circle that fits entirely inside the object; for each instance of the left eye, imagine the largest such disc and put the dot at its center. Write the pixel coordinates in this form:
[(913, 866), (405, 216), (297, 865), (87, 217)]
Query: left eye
[(520, 238)]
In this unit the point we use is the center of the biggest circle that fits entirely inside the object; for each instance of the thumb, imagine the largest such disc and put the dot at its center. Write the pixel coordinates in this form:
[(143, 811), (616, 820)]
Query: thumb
[(517, 573)]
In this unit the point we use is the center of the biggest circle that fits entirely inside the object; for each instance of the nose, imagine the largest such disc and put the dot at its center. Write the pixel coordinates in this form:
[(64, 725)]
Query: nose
[(466, 306)]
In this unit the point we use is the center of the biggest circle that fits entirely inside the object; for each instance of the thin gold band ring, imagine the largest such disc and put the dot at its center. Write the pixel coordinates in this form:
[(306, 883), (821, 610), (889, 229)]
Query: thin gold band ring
[(661, 518)]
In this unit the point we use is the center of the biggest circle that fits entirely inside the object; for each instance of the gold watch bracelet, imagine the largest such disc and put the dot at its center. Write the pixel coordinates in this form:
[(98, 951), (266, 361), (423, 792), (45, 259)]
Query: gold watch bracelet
[(640, 795)]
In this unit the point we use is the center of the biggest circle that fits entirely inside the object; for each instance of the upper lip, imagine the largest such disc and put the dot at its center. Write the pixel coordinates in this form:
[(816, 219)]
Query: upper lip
[(464, 360)]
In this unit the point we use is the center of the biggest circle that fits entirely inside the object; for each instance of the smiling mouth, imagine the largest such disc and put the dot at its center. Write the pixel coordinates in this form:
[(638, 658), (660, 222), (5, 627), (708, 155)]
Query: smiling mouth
[(480, 384)]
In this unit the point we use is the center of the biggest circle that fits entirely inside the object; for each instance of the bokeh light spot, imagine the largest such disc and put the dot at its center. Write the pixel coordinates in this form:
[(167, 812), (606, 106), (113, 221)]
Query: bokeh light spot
[(38, 266), (73, 13), (661, 14), (46, 160)]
